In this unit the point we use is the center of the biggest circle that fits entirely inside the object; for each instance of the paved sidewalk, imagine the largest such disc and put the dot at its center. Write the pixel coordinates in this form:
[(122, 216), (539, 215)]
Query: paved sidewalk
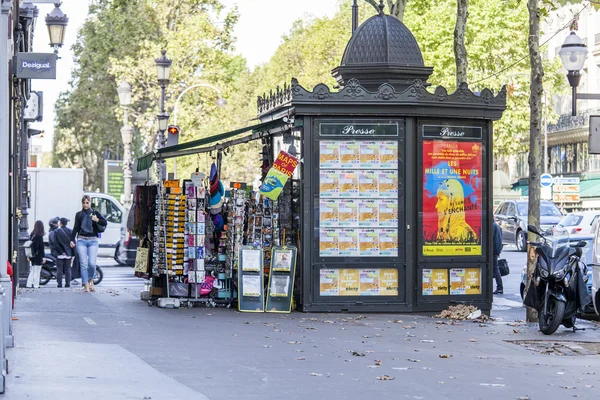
[(111, 345)]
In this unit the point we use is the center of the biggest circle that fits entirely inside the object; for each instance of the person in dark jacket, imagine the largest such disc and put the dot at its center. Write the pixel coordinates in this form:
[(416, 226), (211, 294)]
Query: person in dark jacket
[(53, 224), (37, 250), (88, 223), (497, 251), (65, 253)]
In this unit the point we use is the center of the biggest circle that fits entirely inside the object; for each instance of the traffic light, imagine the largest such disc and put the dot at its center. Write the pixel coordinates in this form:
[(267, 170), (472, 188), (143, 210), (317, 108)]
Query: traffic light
[(172, 135)]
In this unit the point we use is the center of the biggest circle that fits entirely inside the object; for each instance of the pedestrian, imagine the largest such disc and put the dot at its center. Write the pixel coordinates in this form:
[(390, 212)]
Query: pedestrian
[(65, 253), (53, 224), (88, 223), (497, 250), (37, 258)]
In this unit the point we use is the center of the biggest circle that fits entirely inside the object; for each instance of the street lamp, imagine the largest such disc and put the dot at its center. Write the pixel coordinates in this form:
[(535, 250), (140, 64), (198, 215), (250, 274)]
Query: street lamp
[(573, 53), (56, 22), (124, 91), (163, 69)]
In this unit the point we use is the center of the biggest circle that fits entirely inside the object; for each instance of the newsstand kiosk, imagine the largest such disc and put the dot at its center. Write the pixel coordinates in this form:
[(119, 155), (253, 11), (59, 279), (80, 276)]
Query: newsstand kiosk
[(396, 189)]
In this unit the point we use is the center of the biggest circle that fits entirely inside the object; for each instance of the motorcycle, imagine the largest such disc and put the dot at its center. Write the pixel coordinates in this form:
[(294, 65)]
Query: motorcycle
[(557, 289), (48, 271)]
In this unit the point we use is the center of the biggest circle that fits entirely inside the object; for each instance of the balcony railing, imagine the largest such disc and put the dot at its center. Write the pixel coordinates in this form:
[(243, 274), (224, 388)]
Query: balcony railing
[(566, 122)]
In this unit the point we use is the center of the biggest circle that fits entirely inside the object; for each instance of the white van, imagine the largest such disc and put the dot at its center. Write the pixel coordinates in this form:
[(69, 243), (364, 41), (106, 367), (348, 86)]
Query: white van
[(114, 213)]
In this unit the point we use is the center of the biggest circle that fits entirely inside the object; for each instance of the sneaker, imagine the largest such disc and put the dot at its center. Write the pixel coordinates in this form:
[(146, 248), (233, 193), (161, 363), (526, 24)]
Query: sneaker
[(75, 282), (499, 291), (67, 286)]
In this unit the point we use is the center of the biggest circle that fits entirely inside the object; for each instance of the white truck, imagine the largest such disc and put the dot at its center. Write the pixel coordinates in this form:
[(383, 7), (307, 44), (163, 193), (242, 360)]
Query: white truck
[(57, 192)]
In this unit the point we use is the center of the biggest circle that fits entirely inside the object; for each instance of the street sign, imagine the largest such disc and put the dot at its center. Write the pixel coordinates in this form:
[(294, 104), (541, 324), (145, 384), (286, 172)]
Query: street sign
[(35, 65), (566, 181), (566, 188), (594, 140), (566, 198), (546, 180)]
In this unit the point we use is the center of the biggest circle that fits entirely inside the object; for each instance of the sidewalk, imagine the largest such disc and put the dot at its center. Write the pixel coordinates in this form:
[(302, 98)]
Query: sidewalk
[(110, 345)]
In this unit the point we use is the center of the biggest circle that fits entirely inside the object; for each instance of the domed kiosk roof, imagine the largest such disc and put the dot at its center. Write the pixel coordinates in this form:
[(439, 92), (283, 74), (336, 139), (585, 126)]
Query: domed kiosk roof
[(382, 50), (383, 39)]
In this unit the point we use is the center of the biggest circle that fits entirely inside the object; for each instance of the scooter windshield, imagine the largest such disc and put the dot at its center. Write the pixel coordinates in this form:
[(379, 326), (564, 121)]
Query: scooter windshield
[(557, 240)]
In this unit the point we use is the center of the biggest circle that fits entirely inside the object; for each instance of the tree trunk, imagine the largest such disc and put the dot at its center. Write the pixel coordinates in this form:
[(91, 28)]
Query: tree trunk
[(535, 138), (460, 51)]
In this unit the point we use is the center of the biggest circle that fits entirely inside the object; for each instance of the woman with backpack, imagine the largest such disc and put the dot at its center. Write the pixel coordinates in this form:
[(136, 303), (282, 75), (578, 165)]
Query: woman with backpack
[(88, 223), (37, 254)]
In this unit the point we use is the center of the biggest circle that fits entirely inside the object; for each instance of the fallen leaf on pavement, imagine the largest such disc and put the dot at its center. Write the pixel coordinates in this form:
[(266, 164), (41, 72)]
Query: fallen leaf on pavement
[(15, 319), (385, 378), (301, 358), (315, 374), (426, 341), (378, 362), (445, 355), (568, 387), (473, 340), (397, 321), (523, 398), (459, 311), (413, 360), (366, 336), (266, 346), (408, 327), (515, 330), (294, 342), (357, 354)]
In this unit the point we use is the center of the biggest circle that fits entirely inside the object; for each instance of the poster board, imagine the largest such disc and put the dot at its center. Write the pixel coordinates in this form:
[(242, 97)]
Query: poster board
[(280, 291), (251, 280)]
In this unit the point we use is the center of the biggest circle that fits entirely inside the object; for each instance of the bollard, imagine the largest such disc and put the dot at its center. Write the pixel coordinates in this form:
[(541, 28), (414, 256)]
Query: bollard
[(3, 361)]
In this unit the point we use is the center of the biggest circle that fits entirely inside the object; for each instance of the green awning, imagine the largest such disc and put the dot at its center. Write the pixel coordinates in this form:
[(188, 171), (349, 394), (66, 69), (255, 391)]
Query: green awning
[(589, 188), (145, 161), (216, 138)]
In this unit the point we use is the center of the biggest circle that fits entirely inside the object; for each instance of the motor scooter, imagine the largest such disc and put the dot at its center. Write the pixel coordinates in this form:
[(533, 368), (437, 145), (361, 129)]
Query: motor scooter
[(48, 271), (557, 289)]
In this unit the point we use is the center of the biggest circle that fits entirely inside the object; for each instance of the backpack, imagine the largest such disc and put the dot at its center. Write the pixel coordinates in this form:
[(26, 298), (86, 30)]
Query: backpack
[(27, 248)]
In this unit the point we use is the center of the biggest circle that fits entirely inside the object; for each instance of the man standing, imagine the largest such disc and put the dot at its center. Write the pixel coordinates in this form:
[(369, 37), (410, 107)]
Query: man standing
[(65, 253), (497, 250)]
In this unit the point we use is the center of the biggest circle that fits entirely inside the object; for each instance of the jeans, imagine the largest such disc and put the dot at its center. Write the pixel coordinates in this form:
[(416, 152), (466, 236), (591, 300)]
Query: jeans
[(497, 274), (63, 265), (33, 280), (88, 251)]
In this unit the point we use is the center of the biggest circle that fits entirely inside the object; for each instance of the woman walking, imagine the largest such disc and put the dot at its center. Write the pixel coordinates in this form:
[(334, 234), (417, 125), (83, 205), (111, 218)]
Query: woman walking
[(37, 251), (88, 223)]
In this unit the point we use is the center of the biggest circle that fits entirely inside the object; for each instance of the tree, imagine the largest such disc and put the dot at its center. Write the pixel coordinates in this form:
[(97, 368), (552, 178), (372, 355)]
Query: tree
[(460, 51), (396, 7)]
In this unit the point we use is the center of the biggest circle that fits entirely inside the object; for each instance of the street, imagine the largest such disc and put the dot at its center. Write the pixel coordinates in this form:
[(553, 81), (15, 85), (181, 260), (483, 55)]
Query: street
[(111, 345)]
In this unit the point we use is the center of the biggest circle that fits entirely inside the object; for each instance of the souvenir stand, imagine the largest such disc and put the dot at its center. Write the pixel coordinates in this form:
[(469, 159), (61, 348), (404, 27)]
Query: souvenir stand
[(389, 209)]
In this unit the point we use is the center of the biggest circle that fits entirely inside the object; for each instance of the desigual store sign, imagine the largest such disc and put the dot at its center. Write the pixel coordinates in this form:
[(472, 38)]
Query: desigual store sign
[(35, 65)]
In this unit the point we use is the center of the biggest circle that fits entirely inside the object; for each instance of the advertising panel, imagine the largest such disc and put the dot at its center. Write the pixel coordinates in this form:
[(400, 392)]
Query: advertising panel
[(452, 212)]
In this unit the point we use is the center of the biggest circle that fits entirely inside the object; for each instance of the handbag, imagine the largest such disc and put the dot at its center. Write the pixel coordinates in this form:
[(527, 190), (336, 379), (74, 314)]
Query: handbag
[(503, 266), (99, 228), (27, 248), (141, 259)]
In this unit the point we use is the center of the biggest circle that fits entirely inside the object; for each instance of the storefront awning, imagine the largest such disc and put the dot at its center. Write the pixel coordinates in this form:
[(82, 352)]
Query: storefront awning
[(193, 147), (589, 188)]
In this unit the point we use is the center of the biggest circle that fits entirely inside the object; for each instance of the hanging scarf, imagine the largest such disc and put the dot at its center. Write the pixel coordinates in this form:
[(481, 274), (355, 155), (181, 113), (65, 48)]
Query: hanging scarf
[(86, 222)]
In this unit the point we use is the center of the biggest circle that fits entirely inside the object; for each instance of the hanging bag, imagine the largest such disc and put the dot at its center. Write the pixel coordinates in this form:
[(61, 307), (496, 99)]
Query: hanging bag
[(27, 248), (99, 228), (503, 266), (142, 258)]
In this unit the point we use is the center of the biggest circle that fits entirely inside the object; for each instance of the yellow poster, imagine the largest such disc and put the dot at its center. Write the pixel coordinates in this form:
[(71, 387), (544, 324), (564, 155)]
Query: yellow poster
[(388, 279), (435, 282), (388, 154), (388, 184), (348, 180), (457, 281), (388, 242), (349, 282), (348, 242), (473, 280), (368, 184), (329, 282)]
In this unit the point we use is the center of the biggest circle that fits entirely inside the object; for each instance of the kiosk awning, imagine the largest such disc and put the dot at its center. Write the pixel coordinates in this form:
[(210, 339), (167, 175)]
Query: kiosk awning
[(184, 149)]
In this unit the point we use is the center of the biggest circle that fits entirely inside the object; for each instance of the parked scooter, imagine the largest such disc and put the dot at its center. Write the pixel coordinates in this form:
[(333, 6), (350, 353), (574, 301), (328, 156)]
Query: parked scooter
[(557, 290), (48, 271)]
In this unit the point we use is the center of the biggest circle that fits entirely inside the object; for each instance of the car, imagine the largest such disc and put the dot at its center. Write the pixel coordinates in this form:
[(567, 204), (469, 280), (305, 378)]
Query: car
[(595, 267), (586, 258), (511, 215), (583, 222), (127, 247)]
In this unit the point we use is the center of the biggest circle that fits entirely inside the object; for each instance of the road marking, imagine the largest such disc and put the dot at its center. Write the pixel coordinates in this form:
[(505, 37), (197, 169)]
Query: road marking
[(89, 321)]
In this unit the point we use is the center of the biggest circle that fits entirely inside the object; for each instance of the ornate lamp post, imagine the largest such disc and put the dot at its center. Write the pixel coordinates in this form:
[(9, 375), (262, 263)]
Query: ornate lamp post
[(56, 22), (573, 53), (124, 90), (163, 68)]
